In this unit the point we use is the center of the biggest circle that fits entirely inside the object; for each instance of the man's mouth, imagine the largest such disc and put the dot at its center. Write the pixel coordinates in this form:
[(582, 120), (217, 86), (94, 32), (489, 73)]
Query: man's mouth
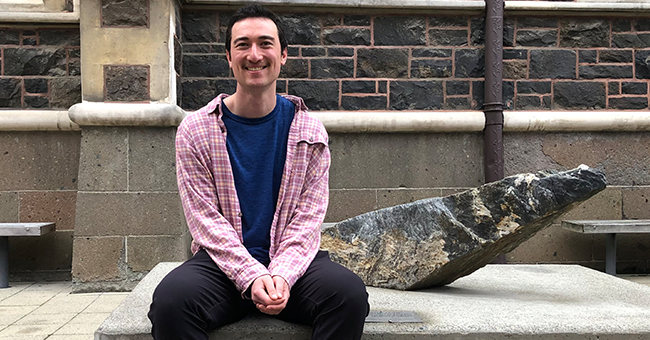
[(259, 68)]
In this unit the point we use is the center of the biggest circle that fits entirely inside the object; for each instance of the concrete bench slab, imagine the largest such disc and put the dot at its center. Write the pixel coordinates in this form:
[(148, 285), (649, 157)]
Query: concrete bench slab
[(496, 302), (17, 229), (610, 228)]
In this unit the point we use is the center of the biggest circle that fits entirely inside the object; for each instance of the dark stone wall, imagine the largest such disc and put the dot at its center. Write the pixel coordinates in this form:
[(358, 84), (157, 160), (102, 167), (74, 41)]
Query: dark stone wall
[(40, 68), (361, 62)]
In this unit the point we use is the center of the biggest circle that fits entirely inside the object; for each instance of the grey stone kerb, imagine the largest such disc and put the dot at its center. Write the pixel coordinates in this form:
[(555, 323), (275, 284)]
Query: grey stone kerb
[(126, 114), (541, 302)]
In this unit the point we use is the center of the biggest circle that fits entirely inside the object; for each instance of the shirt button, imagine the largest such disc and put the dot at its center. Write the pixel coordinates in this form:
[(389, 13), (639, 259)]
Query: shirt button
[(311, 139), (240, 214)]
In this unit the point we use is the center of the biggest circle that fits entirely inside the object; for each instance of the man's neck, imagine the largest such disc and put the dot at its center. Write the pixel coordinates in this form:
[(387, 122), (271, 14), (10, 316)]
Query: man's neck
[(251, 105)]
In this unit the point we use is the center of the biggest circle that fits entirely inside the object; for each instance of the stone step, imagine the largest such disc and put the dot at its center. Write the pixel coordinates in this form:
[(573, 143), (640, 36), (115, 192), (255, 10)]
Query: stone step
[(495, 302)]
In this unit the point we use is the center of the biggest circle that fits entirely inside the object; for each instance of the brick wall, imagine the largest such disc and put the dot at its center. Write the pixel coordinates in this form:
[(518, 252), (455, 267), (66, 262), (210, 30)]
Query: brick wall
[(357, 62), (40, 68)]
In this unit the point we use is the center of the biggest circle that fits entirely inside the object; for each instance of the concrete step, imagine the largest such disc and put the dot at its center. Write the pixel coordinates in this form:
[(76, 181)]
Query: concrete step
[(496, 302)]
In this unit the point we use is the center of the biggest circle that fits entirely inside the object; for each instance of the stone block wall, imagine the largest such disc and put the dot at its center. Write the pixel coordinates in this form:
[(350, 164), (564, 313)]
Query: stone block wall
[(383, 62), (625, 159), (39, 67), (39, 184)]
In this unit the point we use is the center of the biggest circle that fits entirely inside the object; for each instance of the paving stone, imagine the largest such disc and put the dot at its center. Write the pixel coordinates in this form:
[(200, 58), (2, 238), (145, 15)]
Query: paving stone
[(199, 26), (615, 56), (626, 40), (555, 64), (382, 86), (533, 87), (641, 24), (613, 88), (364, 102), (579, 95), (432, 68), (382, 63), (456, 87), (508, 32), (477, 31), (448, 37), (10, 92), (346, 36), (470, 63), (605, 71), (59, 37), (634, 88), (399, 31), (205, 65), (295, 68), (528, 103), (628, 103), (431, 53), (318, 95), (301, 29), (44, 61), (537, 38), (416, 95), (293, 51), (332, 68), (584, 33), (358, 86), (133, 13)]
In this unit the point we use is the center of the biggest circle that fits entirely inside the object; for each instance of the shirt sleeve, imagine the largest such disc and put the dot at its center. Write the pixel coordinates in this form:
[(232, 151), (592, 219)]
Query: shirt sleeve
[(209, 228), (301, 237)]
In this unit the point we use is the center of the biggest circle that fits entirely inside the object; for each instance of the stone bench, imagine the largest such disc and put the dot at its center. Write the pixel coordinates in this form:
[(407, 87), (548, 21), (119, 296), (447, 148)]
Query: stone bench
[(17, 229), (610, 228), (496, 302)]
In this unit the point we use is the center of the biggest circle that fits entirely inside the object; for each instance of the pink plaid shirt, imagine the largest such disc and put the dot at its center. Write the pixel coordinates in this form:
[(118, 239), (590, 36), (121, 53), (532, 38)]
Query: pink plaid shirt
[(207, 190)]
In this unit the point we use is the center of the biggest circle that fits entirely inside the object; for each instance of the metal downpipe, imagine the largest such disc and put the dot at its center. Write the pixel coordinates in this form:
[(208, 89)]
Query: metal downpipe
[(493, 107)]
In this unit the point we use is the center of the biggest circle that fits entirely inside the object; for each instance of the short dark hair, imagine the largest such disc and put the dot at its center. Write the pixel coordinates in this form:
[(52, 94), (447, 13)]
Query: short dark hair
[(255, 11)]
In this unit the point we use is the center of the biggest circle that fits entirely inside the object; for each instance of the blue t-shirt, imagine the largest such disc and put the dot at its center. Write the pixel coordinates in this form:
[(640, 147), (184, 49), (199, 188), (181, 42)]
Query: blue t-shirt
[(257, 148)]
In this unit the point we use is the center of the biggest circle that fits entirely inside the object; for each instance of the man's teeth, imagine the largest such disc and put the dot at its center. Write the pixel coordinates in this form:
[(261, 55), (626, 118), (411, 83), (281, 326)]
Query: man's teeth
[(255, 68)]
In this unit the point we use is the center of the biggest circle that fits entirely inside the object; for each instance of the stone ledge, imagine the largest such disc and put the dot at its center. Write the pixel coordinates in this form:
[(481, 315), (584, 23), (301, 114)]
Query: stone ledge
[(580, 7), (125, 114), (35, 11), (36, 120), (496, 302)]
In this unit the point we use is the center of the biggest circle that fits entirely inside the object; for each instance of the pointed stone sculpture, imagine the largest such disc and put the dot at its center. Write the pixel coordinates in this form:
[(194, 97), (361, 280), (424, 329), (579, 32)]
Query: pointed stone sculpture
[(434, 241)]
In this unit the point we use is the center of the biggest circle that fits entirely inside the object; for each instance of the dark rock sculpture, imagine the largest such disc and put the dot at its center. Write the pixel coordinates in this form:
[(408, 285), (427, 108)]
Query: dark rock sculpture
[(434, 241)]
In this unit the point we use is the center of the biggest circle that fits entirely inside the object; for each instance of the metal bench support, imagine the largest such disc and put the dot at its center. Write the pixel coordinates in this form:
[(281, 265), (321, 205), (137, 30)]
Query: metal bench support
[(4, 261), (610, 254)]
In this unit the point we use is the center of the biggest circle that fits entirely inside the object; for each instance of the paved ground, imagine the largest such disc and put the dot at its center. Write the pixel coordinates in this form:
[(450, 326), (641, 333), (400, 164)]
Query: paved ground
[(38, 311)]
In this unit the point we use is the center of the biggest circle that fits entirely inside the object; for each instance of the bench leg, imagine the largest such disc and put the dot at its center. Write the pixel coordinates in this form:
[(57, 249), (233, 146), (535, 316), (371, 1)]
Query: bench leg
[(610, 254), (4, 261)]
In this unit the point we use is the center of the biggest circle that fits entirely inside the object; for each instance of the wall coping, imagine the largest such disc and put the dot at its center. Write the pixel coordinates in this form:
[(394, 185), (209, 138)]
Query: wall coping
[(579, 7), (19, 15), (124, 114)]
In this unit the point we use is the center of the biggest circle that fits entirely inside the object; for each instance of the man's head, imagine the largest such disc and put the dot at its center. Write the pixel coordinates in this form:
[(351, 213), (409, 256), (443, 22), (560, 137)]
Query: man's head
[(254, 11)]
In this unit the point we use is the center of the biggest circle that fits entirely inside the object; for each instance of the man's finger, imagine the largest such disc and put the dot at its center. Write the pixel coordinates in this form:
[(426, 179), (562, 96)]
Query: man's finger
[(269, 286), (281, 286)]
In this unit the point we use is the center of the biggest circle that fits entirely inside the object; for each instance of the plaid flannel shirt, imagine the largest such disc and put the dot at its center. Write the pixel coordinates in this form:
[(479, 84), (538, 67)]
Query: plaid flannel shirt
[(211, 206)]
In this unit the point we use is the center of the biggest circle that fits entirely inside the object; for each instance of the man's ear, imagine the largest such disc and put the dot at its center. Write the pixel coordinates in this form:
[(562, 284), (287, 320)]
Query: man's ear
[(229, 60), (284, 55)]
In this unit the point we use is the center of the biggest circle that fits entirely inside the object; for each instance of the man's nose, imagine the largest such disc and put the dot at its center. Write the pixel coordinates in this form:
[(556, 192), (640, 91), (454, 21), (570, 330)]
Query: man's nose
[(254, 55)]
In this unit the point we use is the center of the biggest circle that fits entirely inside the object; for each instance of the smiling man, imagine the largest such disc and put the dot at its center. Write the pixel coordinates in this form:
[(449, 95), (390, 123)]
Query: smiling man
[(252, 172)]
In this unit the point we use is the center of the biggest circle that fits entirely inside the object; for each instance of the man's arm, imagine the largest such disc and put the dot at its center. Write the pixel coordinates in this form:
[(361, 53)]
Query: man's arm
[(209, 229), (301, 237)]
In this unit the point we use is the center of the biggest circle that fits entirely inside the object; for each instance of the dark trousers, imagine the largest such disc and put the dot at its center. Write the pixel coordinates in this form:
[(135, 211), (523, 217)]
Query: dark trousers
[(198, 297)]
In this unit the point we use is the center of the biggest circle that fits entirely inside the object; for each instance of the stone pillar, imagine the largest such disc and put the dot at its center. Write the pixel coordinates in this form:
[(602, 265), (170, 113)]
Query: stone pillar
[(128, 215)]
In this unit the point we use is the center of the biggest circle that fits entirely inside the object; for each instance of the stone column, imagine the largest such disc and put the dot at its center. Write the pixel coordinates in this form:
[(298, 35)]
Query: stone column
[(128, 215)]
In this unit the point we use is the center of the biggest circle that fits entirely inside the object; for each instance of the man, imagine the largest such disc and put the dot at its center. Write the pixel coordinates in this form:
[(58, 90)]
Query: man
[(253, 178)]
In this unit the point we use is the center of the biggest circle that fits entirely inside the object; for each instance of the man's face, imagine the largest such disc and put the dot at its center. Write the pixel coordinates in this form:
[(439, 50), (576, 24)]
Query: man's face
[(255, 53)]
